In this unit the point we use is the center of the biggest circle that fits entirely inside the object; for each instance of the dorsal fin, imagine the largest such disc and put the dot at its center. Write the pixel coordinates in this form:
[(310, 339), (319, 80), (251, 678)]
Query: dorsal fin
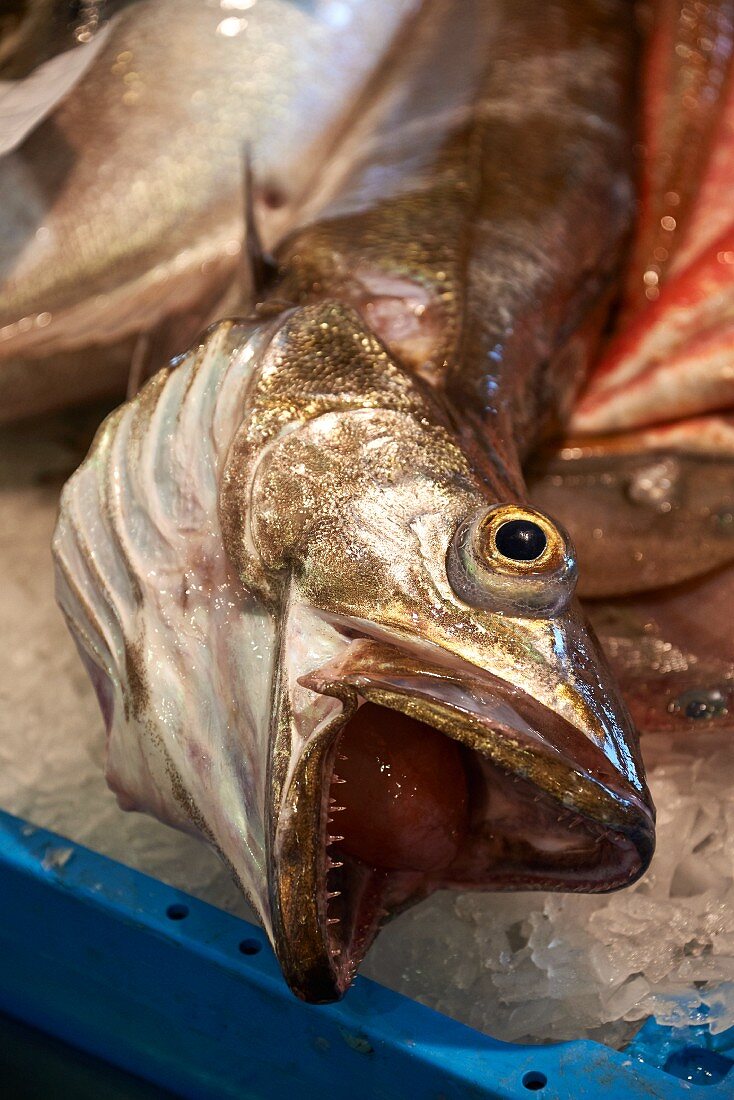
[(258, 268)]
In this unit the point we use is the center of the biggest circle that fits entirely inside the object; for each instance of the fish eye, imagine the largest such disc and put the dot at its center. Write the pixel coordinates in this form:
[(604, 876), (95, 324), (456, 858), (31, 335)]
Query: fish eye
[(512, 559), (520, 540)]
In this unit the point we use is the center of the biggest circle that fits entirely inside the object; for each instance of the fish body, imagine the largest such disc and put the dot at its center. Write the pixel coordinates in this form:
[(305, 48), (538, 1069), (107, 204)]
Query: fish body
[(300, 565), (116, 225)]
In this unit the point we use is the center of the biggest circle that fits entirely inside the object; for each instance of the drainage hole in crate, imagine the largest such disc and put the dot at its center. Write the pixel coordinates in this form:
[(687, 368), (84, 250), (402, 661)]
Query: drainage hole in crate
[(698, 1065), (250, 947), (177, 911), (535, 1080)]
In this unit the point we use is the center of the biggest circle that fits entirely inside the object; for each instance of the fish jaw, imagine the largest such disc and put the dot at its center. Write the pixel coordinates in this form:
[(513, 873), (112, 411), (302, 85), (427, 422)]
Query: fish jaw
[(553, 803)]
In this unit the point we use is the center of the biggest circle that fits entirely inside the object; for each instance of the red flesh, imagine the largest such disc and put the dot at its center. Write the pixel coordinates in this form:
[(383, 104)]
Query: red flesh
[(404, 792)]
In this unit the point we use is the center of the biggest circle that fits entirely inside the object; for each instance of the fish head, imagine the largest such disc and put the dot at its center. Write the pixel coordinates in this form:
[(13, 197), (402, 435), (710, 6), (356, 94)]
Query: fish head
[(442, 713)]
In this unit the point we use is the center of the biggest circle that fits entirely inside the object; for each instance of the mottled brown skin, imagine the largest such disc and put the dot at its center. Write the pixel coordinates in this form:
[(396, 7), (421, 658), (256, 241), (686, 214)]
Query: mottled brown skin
[(507, 228)]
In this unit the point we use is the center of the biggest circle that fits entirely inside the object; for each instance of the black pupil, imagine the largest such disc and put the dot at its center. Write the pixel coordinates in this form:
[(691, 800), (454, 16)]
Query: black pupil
[(521, 540)]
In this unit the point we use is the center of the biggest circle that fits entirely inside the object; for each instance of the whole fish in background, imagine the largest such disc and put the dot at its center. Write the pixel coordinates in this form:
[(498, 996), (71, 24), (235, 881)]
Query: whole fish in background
[(673, 653), (122, 212), (327, 632)]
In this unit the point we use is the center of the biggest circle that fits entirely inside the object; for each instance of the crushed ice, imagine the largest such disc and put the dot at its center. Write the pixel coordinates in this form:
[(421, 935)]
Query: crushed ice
[(530, 967), (560, 966)]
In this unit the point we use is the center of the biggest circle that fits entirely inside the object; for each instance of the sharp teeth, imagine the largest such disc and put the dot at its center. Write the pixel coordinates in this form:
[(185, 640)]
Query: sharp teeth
[(335, 839), (336, 951), (334, 863), (337, 779), (332, 920), (337, 809), (333, 894), (339, 756)]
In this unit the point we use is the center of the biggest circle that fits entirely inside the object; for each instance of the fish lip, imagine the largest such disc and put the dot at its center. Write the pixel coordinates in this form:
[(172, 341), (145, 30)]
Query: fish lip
[(390, 676)]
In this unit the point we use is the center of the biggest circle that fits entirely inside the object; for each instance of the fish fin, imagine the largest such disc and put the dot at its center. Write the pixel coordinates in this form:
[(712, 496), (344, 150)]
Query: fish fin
[(139, 362), (258, 268), (167, 341), (140, 569)]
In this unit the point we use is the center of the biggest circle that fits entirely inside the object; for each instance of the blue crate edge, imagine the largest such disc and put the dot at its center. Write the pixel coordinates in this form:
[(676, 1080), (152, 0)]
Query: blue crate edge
[(191, 998)]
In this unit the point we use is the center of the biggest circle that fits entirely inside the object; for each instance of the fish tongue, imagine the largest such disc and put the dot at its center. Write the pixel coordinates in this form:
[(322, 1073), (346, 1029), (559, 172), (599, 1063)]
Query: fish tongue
[(403, 791)]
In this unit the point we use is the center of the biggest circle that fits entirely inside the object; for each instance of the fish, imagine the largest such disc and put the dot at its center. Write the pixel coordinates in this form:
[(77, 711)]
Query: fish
[(672, 651), (687, 64), (327, 631), (670, 357), (120, 228)]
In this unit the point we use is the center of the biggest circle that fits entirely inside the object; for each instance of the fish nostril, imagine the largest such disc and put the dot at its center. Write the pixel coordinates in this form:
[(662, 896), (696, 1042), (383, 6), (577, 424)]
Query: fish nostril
[(521, 540)]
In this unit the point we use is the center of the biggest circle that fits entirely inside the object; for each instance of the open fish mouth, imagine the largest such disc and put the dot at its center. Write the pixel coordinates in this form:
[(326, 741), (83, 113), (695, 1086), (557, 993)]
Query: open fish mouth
[(434, 777)]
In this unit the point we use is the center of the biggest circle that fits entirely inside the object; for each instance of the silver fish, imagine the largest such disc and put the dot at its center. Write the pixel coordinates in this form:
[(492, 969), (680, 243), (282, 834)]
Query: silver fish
[(327, 631)]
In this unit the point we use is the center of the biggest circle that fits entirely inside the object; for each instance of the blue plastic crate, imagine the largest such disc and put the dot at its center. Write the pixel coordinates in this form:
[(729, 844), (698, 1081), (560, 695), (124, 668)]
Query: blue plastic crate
[(191, 998)]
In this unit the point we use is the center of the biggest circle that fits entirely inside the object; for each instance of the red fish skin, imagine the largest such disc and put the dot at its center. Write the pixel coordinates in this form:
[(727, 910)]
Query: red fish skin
[(674, 360), (671, 356), (712, 212), (688, 61)]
